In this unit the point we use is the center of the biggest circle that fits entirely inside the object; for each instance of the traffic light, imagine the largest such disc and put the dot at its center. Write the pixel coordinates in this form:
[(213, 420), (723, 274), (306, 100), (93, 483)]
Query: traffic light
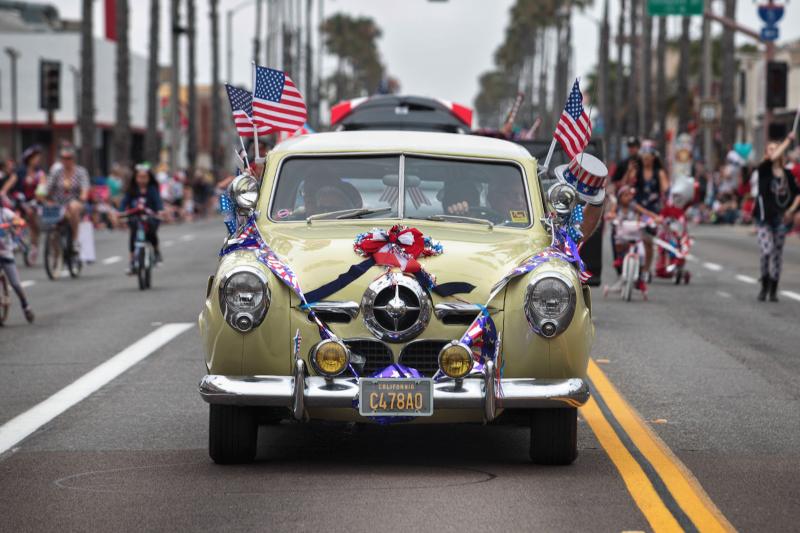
[(776, 84), (49, 85)]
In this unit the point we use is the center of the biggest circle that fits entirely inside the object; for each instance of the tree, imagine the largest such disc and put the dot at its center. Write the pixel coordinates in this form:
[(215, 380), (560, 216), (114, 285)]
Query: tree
[(619, 84), (122, 126), (353, 42), (661, 84), (603, 76), (633, 95), (728, 119), (191, 111), (647, 75), (216, 109), (87, 126), (684, 96), (151, 144), (495, 95)]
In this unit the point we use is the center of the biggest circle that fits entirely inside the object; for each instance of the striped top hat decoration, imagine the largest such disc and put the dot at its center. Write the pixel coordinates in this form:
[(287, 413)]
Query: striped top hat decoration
[(587, 174)]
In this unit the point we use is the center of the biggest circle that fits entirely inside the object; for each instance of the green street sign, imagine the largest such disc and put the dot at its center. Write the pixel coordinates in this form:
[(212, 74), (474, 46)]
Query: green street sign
[(656, 8)]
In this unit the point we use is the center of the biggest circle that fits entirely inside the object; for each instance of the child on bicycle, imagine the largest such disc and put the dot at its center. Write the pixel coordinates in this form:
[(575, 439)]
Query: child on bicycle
[(8, 221), (143, 191), (626, 209)]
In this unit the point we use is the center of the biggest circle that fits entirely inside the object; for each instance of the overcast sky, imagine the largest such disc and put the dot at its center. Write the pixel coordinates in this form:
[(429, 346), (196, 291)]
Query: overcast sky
[(434, 48)]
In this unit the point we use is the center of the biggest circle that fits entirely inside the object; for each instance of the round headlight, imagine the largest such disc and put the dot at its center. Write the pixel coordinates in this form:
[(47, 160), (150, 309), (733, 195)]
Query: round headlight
[(455, 360), (550, 303), (330, 357), (244, 192), (244, 297), (244, 291)]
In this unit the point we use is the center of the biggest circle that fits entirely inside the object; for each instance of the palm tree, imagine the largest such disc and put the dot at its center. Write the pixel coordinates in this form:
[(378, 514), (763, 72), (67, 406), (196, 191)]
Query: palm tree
[(619, 88), (87, 88), (661, 82), (603, 74), (191, 111), (151, 136), (647, 75), (216, 109), (122, 126), (633, 76), (728, 119), (684, 98)]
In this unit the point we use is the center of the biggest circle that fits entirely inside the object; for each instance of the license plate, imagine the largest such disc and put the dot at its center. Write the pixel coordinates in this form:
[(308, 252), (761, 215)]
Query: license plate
[(395, 397)]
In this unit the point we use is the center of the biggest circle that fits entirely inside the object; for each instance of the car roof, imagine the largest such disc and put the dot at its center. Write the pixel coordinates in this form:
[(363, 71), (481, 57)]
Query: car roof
[(403, 141)]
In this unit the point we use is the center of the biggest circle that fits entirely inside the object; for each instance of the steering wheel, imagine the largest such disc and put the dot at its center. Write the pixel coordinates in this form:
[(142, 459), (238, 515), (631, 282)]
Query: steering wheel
[(487, 213)]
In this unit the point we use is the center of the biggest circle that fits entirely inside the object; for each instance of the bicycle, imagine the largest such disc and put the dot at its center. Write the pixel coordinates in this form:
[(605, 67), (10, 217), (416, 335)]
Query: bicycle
[(58, 244), (143, 252), (630, 233), (5, 296)]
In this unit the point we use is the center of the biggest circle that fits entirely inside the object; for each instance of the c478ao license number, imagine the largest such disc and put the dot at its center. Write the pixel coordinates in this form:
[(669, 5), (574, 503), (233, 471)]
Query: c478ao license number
[(395, 397)]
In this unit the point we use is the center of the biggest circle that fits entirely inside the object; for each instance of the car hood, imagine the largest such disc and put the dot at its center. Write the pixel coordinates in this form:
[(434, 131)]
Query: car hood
[(318, 253)]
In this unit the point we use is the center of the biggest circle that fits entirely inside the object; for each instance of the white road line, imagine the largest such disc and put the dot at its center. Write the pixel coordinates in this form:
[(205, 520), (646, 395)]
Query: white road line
[(187, 238), (724, 294), (167, 244), (21, 426), (712, 266), (27, 283), (746, 279), (792, 295), (111, 260)]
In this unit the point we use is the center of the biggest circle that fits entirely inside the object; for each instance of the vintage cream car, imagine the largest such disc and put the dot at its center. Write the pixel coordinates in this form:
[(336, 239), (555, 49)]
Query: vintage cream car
[(478, 203)]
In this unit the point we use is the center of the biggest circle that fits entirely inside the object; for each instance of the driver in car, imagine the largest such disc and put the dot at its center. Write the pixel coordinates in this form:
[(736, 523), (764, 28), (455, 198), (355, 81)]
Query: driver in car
[(506, 203), (325, 194)]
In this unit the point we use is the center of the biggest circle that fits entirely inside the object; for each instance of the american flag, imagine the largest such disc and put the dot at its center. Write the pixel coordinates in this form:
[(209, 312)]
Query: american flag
[(242, 108), (574, 129), (277, 104)]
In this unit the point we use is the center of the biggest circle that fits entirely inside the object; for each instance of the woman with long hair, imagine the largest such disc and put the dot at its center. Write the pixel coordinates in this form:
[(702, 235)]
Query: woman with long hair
[(778, 199), (143, 192)]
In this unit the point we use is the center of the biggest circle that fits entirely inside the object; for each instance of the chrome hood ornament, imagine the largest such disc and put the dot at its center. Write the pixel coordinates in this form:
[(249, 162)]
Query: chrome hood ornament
[(396, 308)]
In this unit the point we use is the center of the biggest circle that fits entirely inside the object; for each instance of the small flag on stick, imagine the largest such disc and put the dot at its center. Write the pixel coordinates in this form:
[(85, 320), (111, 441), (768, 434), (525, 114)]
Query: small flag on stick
[(277, 104), (242, 109), (574, 129)]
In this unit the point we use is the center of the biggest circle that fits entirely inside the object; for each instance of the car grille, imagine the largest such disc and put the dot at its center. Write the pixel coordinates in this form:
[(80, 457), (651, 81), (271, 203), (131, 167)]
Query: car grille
[(377, 354), (423, 355)]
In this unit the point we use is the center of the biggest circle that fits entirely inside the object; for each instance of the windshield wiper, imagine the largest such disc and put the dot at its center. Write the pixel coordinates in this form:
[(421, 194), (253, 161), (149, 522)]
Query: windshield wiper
[(348, 213), (364, 212), (459, 218)]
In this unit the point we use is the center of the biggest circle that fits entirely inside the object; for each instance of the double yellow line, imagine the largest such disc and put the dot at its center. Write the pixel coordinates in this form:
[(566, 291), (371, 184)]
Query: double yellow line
[(666, 492)]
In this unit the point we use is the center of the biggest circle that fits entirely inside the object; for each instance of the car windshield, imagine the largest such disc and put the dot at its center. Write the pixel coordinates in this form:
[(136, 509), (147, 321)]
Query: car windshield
[(452, 190), (464, 191), (336, 187)]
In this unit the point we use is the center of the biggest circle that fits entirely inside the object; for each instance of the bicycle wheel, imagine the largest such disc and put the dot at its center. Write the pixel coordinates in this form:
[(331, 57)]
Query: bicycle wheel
[(149, 266), (141, 268), (53, 255), (5, 299), (71, 258), (628, 276)]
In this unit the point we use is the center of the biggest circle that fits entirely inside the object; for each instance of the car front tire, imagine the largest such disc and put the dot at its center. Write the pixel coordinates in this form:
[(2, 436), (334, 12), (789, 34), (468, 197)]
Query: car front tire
[(554, 436), (232, 434)]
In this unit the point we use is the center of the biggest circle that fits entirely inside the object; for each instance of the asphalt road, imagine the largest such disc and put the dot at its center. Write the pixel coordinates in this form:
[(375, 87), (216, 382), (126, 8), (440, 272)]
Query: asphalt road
[(710, 371)]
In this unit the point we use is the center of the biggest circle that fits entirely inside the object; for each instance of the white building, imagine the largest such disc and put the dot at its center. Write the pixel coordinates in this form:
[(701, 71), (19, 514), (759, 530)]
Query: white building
[(64, 47)]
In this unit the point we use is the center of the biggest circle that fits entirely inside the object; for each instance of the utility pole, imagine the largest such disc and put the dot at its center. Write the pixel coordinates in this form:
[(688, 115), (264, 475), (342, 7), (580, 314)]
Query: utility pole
[(320, 54), (309, 88), (256, 36), (13, 56), (174, 99)]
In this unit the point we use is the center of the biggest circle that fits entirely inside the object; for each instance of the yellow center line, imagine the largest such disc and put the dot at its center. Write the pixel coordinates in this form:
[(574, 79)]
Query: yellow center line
[(681, 483), (639, 486)]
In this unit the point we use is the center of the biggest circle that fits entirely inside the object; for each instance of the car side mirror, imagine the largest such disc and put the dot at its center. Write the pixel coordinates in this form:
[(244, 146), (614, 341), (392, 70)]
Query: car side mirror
[(243, 191), (562, 198)]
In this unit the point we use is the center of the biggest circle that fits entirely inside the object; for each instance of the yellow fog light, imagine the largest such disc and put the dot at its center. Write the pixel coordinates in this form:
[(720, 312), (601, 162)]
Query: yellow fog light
[(330, 357), (455, 360)]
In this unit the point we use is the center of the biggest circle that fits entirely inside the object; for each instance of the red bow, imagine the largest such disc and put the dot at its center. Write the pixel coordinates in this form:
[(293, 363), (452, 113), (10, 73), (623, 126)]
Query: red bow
[(399, 247)]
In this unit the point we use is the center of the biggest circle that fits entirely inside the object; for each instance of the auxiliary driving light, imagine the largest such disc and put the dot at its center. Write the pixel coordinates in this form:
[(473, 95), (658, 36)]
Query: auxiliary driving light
[(455, 360), (330, 357)]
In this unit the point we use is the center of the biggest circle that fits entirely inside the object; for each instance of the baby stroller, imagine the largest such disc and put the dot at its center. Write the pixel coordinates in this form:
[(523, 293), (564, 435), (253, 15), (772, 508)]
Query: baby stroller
[(673, 238)]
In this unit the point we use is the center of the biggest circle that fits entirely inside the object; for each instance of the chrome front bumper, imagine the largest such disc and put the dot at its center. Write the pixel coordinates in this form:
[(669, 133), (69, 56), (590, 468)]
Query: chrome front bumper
[(299, 391)]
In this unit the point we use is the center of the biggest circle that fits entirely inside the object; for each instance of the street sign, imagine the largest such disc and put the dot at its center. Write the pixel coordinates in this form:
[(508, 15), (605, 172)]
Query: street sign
[(769, 33), (770, 13), (709, 111), (674, 7)]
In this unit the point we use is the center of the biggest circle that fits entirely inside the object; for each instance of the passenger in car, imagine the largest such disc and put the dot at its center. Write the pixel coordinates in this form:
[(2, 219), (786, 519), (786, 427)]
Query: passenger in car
[(324, 194)]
